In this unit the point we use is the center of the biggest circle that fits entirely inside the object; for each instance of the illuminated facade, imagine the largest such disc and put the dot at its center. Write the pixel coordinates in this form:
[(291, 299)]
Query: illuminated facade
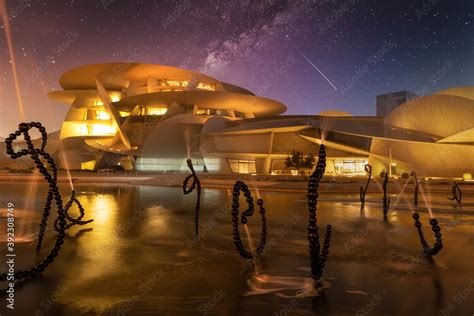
[(152, 118)]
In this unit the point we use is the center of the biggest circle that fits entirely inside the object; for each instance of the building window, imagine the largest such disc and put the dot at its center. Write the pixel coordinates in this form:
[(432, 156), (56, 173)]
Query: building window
[(221, 112), (349, 168), (206, 86), (98, 103), (239, 114), (203, 111), (242, 166), (100, 129), (102, 115), (175, 83), (156, 110)]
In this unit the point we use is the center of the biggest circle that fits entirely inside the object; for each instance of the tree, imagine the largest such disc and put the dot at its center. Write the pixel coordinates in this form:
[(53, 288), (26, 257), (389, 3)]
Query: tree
[(300, 162)]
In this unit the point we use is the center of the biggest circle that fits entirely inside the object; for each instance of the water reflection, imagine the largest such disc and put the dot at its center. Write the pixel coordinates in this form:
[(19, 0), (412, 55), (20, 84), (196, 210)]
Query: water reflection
[(144, 233)]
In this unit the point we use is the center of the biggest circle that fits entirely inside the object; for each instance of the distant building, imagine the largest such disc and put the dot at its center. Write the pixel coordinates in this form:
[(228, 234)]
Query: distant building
[(386, 103)]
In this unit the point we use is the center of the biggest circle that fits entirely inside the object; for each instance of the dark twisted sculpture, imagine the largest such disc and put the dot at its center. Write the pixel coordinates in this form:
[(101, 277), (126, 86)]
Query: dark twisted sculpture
[(363, 191), (417, 188), (186, 190), (429, 251), (241, 186), (386, 199), (318, 256), (457, 193), (73, 221), (53, 194)]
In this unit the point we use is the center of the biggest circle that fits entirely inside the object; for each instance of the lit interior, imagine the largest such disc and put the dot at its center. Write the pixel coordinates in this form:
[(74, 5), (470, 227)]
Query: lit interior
[(206, 86), (101, 129), (156, 110), (89, 165), (177, 83), (102, 115), (349, 167)]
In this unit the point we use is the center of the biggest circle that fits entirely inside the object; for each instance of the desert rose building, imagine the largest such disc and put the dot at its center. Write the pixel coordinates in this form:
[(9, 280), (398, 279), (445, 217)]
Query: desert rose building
[(152, 118)]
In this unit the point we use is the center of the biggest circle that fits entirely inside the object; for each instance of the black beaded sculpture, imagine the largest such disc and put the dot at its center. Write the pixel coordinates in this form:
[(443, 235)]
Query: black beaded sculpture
[(363, 191), (386, 199), (417, 188), (53, 194), (70, 221), (73, 221), (186, 190), (241, 186), (457, 193), (429, 251), (318, 256)]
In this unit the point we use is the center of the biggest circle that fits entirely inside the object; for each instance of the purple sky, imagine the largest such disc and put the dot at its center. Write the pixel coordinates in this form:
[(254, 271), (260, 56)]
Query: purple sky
[(310, 55)]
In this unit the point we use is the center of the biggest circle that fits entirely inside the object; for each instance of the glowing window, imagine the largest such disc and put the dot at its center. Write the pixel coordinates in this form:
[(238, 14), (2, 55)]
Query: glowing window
[(102, 115), (349, 167), (221, 112), (206, 86), (242, 166), (156, 111), (115, 98), (89, 165), (100, 129), (177, 83), (124, 114), (97, 103), (203, 111)]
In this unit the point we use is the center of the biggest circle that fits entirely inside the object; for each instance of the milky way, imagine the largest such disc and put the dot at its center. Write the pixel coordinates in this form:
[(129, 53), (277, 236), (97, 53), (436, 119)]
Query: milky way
[(364, 48)]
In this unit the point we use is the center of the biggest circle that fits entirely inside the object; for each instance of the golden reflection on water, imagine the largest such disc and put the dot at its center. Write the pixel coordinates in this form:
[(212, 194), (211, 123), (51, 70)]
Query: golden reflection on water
[(101, 247)]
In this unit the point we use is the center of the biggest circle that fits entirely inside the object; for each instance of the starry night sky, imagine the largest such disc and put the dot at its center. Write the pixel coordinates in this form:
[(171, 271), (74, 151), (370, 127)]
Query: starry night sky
[(278, 49)]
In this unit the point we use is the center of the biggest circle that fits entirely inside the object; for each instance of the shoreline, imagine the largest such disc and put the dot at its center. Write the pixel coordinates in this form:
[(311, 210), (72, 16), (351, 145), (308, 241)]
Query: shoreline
[(348, 186)]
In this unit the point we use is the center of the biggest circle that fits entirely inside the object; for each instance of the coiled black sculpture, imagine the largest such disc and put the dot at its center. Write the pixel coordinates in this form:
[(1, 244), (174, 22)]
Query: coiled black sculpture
[(318, 256), (429, 251), (363, 191), (186, 190), (457, 193), (53, 194), (241, 186), (73, 221), (386, 199), (70, 221)]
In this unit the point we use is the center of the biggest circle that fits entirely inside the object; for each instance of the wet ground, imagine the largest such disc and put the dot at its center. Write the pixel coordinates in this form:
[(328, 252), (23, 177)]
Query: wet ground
[(140, 257)]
